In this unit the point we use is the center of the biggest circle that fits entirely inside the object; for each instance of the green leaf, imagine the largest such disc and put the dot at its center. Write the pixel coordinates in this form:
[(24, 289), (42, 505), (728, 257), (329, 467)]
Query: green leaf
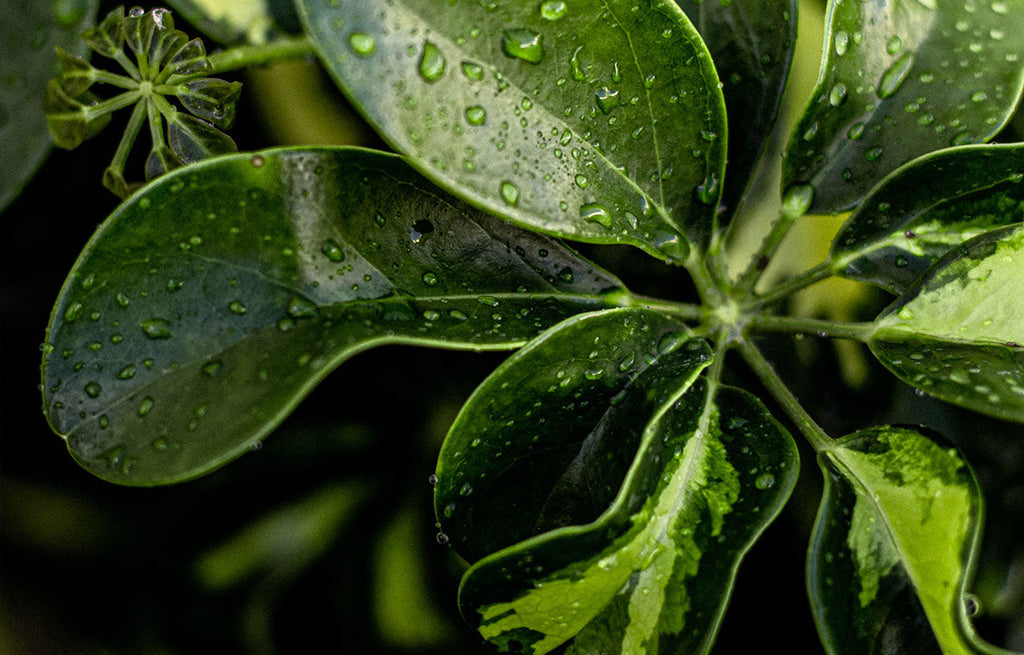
[(69, 120), (899, 79), (193, 140), (239, 21), (600, 122), (546, 440), (654, 572), (211, 99), (956, 195), (894, 545), (958, 333), (29, 36), (212, 301), (751, 44)]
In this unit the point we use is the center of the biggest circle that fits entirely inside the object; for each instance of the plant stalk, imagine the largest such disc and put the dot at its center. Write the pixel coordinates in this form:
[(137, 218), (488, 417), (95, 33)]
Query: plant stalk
[(251, 55), (816, 436), (826, 329)]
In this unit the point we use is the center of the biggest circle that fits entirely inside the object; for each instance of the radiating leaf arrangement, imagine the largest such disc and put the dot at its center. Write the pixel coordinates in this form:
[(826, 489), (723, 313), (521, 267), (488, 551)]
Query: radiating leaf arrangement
[(605, 482)]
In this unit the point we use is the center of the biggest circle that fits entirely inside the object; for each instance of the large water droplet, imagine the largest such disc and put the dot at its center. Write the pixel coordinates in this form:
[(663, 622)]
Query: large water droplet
[(145, 406), (237, 307), (797, 200), (432, 62), (473, 71), (362, 44), (842, 42), (333, 251), (607, 99), (522, 44), (430, 278), (764, 481), (553, 9), (156, 328), (510, 193), (592, 212), (577, 67), (894, 76), (93, 389), (476, 115), (837, 95), (73, 312)]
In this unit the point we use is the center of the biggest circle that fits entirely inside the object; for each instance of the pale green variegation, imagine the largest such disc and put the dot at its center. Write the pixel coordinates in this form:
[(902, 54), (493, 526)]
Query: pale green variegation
[(644, 563), (894, 236), (958, 333), (899, 79), (596, 121), (893, 548), (214, 300)]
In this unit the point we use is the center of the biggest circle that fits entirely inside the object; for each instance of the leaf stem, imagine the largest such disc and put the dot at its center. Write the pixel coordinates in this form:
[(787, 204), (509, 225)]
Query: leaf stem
[(795, 204), (822, 271), (131, 132), (251, 55), (827, 329), (685, 311), (813, 432), (110, 105)]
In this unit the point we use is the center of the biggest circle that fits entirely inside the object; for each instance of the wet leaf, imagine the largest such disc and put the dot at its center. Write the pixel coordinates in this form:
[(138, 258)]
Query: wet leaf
[(212, 301), (600, 122), (554, 451), (698, 480), (193, 140), (926, 208), (29, 36), (211, 99), (900, 79), (751, 44), (958, 333), (239, 21), (894, 546)]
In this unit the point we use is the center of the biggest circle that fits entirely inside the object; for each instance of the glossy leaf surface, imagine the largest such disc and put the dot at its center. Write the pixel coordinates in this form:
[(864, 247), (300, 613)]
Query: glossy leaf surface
[(210, 303), (899, 79), (654, 572), (893, 546), (958, 333), (928, 207), (29, 35), (751, 44), (239, 21), (561, 418), (600, 122)]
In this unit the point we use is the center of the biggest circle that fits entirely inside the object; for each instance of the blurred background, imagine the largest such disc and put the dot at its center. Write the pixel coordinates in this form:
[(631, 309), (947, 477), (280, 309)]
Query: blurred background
[(326, 535)]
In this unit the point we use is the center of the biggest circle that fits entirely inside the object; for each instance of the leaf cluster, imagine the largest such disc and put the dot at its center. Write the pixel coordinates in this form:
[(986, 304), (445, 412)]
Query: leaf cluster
[(605, 482)]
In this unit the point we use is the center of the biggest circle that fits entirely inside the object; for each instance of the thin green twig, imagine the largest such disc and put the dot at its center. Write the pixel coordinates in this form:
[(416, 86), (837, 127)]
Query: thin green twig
[(821, 272), (816, 436), (826, 329)]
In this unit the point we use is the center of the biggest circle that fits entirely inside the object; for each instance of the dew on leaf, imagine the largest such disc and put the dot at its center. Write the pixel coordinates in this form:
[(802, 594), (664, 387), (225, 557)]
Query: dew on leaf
[(510, 193), (299, 307), (333, 251), (429, 278), (553, 9), (842, 42), (893, 78), (432, 63), (145, 406), (127, 372), (522, 44), (362, 44), (595, 213), (237, 307), (73, 312), (764, 481), (476, 115), (212, 369), (473, 71), (93, 389), (156, 328), (607, 99), (837, 95)]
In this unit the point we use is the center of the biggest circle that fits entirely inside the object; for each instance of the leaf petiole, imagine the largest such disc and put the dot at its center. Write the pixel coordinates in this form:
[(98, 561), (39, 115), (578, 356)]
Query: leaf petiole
[(795, 204), (822, 271), (827, 329), (250, 55), (815, 435)]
